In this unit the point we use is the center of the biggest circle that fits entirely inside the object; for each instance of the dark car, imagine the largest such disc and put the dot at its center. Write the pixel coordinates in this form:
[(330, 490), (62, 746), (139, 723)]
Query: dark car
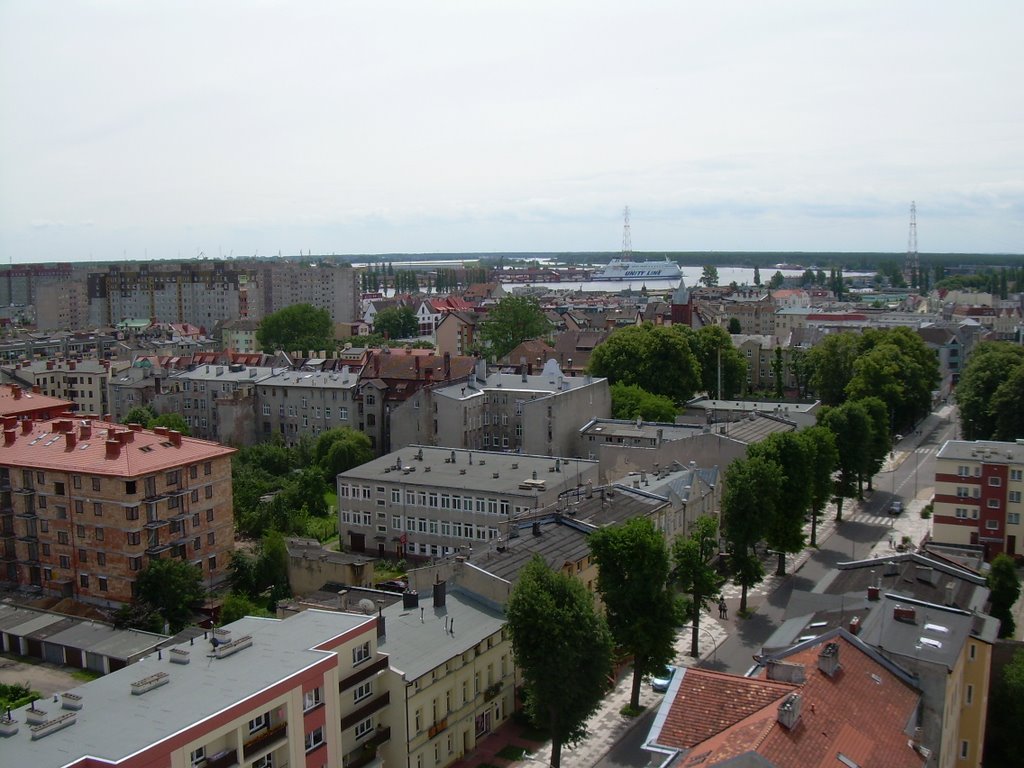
[(393, 585), (896, 507)]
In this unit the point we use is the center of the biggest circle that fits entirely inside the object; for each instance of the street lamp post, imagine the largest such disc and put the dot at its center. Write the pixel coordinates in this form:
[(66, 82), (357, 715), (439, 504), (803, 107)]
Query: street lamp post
[(714, 646)]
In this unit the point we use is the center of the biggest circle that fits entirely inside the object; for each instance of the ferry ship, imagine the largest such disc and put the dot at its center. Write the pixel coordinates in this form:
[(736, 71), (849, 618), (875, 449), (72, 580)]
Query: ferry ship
[(639, 270)]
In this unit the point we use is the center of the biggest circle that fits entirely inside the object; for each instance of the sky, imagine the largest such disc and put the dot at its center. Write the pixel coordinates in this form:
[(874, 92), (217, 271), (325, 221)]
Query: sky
[(236, 128)]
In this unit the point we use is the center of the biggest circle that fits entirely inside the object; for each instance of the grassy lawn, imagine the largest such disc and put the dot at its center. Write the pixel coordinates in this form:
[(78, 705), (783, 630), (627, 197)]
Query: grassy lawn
[(85, 675)]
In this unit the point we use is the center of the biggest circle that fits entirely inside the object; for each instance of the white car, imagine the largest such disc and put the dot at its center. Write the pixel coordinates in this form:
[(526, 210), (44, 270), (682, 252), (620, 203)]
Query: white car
[(661, 680)]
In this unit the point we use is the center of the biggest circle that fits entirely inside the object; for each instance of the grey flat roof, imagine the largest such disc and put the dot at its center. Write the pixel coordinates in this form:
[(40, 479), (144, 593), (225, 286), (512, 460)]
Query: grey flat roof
[(415, 647), (648, 429), (13, 616), (512, 469), (209, 373), (514, 383), (312, 380), (558, 543), (989, 451), (103, 639), (114, 724), (33, 623)]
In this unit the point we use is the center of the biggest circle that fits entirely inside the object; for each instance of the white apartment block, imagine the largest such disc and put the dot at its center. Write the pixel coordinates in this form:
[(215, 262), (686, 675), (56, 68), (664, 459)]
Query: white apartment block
[(539, 414), (426, 501)]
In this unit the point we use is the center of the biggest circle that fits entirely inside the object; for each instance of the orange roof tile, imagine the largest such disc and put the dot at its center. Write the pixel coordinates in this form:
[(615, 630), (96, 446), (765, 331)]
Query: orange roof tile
[(29, 402), (47, 446)]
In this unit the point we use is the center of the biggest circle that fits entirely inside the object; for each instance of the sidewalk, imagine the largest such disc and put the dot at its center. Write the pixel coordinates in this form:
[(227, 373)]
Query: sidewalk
[(606, 727)]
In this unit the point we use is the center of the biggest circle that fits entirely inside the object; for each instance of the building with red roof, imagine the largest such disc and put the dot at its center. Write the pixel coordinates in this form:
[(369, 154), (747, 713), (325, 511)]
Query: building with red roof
[(85, 505), (830, 701), (31, 403)]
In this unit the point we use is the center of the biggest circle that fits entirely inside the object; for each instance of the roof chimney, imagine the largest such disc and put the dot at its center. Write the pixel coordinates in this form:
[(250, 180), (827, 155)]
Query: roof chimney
[(440, 589), (69, 440), (828, 659), (789, 711), (175, 437), (85, 430), (380, 620), (134, 427), (905, 613), (113, 449), (26, 426), (9, 436), (72, 365), (16, 391), (410, 599)]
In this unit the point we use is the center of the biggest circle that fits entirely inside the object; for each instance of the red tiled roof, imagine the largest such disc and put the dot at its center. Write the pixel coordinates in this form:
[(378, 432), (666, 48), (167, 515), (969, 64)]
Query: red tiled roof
[(862, 712), (28, 402), (46, 446)]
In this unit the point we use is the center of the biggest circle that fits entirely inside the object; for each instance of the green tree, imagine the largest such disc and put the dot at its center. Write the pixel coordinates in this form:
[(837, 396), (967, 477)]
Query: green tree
[(851, 426), (821, 446), (831, 364), (510, 322), (656, 359), (339, 450), (800, 369), (712, 346), (734, 326), (632, 577), (140, 414), (779, 373), (895, 365), (173, 587), (396, 323), (753, 488), (173, 421), (1004, 589), (880, 439), (1005, 714), (693, 573), (990, 365), (709, 277), (777, 281), (1008, 403), (237, 607), (630, 402), (555, 628), (298, 327), (784, 528), (757, 276)]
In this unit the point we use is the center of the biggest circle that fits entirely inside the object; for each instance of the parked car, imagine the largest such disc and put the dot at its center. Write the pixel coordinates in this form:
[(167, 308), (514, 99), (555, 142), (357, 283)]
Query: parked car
[(896, 507), (661, 680)]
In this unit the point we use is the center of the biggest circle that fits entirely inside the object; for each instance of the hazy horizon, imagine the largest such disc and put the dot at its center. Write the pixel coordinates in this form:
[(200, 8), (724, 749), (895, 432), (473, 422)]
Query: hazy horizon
[(165, 130)]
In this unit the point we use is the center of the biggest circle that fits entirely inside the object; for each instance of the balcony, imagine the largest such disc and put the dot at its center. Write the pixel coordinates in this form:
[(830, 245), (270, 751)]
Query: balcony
[(266, 741), (366, 753), (364, 673), (358, 715), (226, 759)]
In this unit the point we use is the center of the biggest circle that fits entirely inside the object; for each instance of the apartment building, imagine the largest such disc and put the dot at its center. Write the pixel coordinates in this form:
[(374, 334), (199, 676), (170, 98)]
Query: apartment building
[(978, 487), (216, 401), (333, 287), (19, 285), (82, 381), (240, 336), (199, 292), (263, 693), (426, 501), (296, 403), (84, 505), (62, 305), (31, 404), (539, 414)]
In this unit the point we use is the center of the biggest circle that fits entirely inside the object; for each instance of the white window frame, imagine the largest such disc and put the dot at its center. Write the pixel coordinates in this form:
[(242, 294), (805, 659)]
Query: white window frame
[(314, 739), (364, 728), (259, 722), (312, 699), (362, 691), (360, 654)]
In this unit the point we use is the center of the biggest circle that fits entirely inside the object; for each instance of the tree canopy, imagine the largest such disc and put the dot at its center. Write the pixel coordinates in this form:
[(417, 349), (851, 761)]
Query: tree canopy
[(1005, 713), (1004, 589), (990, 395), (851, 426), (753, 489), (715, 352), (709, 276), (298, 327), (510, 322), (633, 570), (656, 359), (173, 588), (693, 573), (564, 648), (396, 323), (630, 402), (783, 528)]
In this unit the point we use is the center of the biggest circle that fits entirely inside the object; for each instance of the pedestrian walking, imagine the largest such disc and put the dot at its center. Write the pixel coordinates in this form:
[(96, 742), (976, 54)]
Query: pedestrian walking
[(723, 609)]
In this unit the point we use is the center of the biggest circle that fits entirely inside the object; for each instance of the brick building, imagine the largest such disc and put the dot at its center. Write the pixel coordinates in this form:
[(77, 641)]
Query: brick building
[(85, 505), (978, 487)]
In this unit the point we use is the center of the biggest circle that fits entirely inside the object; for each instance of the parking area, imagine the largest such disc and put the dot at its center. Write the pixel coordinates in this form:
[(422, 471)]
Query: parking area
[(45, 678)]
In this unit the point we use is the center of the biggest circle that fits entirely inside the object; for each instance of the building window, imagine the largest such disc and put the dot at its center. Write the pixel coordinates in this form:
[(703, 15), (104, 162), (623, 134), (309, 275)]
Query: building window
[(1014, 496), (259, 722), (84, 580), (363, 728), (964, 748), (76, 481), (198, 757), (103, 583), (970, 694), (131, 513), (135, 563), (993, 503), (313, 698), (1017, 474), (363, 691), (315, 739), (212, 562), (1013, 518), (101, 558), (360, 654), (96, 484), (992, 525)]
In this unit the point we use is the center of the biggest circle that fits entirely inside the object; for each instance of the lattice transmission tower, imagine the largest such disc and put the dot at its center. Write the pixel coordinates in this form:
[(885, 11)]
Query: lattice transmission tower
[(627, 245), (912, 265)]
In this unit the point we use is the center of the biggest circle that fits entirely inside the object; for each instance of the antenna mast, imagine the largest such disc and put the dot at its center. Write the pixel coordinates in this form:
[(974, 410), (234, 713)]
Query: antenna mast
[(627, 245), (912, 265)]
